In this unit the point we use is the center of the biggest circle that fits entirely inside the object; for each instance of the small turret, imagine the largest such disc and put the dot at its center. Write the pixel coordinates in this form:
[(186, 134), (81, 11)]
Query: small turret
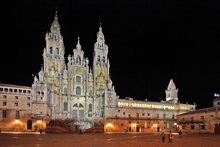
[(171, 92)]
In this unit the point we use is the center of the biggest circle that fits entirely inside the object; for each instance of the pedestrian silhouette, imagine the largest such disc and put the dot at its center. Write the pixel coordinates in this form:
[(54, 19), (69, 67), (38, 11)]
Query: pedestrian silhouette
[(163, 137), (170, 136)]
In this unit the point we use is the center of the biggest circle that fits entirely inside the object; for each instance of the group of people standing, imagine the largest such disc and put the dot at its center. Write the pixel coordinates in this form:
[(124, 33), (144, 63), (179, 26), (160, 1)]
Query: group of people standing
[(170, 136)]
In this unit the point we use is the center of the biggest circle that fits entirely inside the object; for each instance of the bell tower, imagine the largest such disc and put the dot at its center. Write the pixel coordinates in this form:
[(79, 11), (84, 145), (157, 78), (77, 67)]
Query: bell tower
[(53, 55), (172, 92)]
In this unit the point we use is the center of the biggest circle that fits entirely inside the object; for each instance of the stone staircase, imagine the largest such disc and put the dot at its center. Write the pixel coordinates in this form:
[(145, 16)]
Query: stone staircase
[(99, 129)]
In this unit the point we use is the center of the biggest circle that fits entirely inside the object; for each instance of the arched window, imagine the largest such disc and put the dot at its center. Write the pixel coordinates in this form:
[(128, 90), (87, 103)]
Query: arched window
[(78, 91), (103, 59), (98, 58), (90, 108), (75, 105), (90, 93), (57, 51), (51, 50), (81, 106), (78, 60), (78, 79)]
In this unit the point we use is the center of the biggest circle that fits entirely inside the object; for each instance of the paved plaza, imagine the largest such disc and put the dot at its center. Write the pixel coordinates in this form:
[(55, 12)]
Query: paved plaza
[(107, 140)]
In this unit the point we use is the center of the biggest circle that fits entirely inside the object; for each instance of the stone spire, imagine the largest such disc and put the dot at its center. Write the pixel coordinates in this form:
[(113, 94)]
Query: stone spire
[(171, 92), (78, 46), (100, 35), (55, 26), (171, 85)]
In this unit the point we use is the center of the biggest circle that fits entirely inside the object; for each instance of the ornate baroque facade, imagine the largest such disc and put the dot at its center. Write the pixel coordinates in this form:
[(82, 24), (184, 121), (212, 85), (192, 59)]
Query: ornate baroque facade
[(76, 91)]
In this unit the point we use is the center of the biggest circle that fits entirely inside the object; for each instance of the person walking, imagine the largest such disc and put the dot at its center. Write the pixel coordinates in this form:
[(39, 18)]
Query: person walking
[(170, 136), (163, 137)]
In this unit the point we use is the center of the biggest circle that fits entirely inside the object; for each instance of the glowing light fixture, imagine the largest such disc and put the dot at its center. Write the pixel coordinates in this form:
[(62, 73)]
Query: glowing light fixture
[(109, 125)]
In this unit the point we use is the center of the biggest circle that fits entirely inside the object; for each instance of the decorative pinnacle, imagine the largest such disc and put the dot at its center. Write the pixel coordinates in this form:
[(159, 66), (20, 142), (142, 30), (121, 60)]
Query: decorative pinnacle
[(78, 46), (100, 26)]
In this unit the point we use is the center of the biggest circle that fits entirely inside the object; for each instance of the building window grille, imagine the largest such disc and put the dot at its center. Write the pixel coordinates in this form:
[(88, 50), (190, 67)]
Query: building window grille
[(10, 90), (15, 90), (24, 91), (6, 89)]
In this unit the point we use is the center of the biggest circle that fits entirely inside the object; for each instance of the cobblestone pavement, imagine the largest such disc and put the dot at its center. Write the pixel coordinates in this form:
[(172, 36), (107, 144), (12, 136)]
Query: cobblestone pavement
[(107, 140)]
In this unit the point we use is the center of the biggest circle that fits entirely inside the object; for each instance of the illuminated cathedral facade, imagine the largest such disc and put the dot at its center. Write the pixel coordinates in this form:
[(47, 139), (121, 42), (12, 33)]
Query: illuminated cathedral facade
[(73, 90)]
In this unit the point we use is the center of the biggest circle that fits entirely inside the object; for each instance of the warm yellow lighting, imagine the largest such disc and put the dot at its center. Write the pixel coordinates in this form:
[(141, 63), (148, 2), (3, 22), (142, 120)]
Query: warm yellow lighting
[(154, 125), (39, 121), (133, 125), (175, 123), (109, 125), (16, 121)]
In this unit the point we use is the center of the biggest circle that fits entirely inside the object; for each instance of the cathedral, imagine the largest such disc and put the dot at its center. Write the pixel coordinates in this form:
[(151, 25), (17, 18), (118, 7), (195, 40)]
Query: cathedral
[(73, 90)]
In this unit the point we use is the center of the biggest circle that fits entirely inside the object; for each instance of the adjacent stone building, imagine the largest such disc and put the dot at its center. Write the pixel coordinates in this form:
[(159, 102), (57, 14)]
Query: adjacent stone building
[(206, 120), (73, 90)]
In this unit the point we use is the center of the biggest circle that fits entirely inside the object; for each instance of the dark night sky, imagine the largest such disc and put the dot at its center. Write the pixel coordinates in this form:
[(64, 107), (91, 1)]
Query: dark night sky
[(150, 42)]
